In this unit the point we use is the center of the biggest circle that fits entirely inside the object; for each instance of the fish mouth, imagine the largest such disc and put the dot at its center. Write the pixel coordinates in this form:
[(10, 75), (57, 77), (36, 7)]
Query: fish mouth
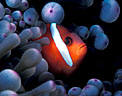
[(82, 46)]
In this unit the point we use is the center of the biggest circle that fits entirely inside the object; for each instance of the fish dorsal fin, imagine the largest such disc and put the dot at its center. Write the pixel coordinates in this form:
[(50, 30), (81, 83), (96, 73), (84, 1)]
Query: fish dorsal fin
[(60, 44)]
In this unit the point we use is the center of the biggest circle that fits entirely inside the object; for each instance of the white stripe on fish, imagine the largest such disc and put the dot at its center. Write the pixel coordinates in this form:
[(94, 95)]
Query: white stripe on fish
[(60, 44)]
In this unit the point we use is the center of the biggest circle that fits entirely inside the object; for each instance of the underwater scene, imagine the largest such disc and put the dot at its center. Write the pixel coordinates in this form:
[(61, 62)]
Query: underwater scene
[(60, 48)]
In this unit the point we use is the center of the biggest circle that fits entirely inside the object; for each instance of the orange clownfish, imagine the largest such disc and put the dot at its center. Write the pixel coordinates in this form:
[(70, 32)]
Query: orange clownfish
[(65, 51)]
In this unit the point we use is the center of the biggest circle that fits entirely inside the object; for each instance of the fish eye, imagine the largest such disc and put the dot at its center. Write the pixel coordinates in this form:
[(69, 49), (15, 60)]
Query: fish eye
[(68, 40)]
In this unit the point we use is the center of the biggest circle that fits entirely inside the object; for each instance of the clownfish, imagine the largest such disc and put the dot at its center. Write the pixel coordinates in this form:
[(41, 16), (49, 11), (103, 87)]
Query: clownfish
[(65, 51)]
